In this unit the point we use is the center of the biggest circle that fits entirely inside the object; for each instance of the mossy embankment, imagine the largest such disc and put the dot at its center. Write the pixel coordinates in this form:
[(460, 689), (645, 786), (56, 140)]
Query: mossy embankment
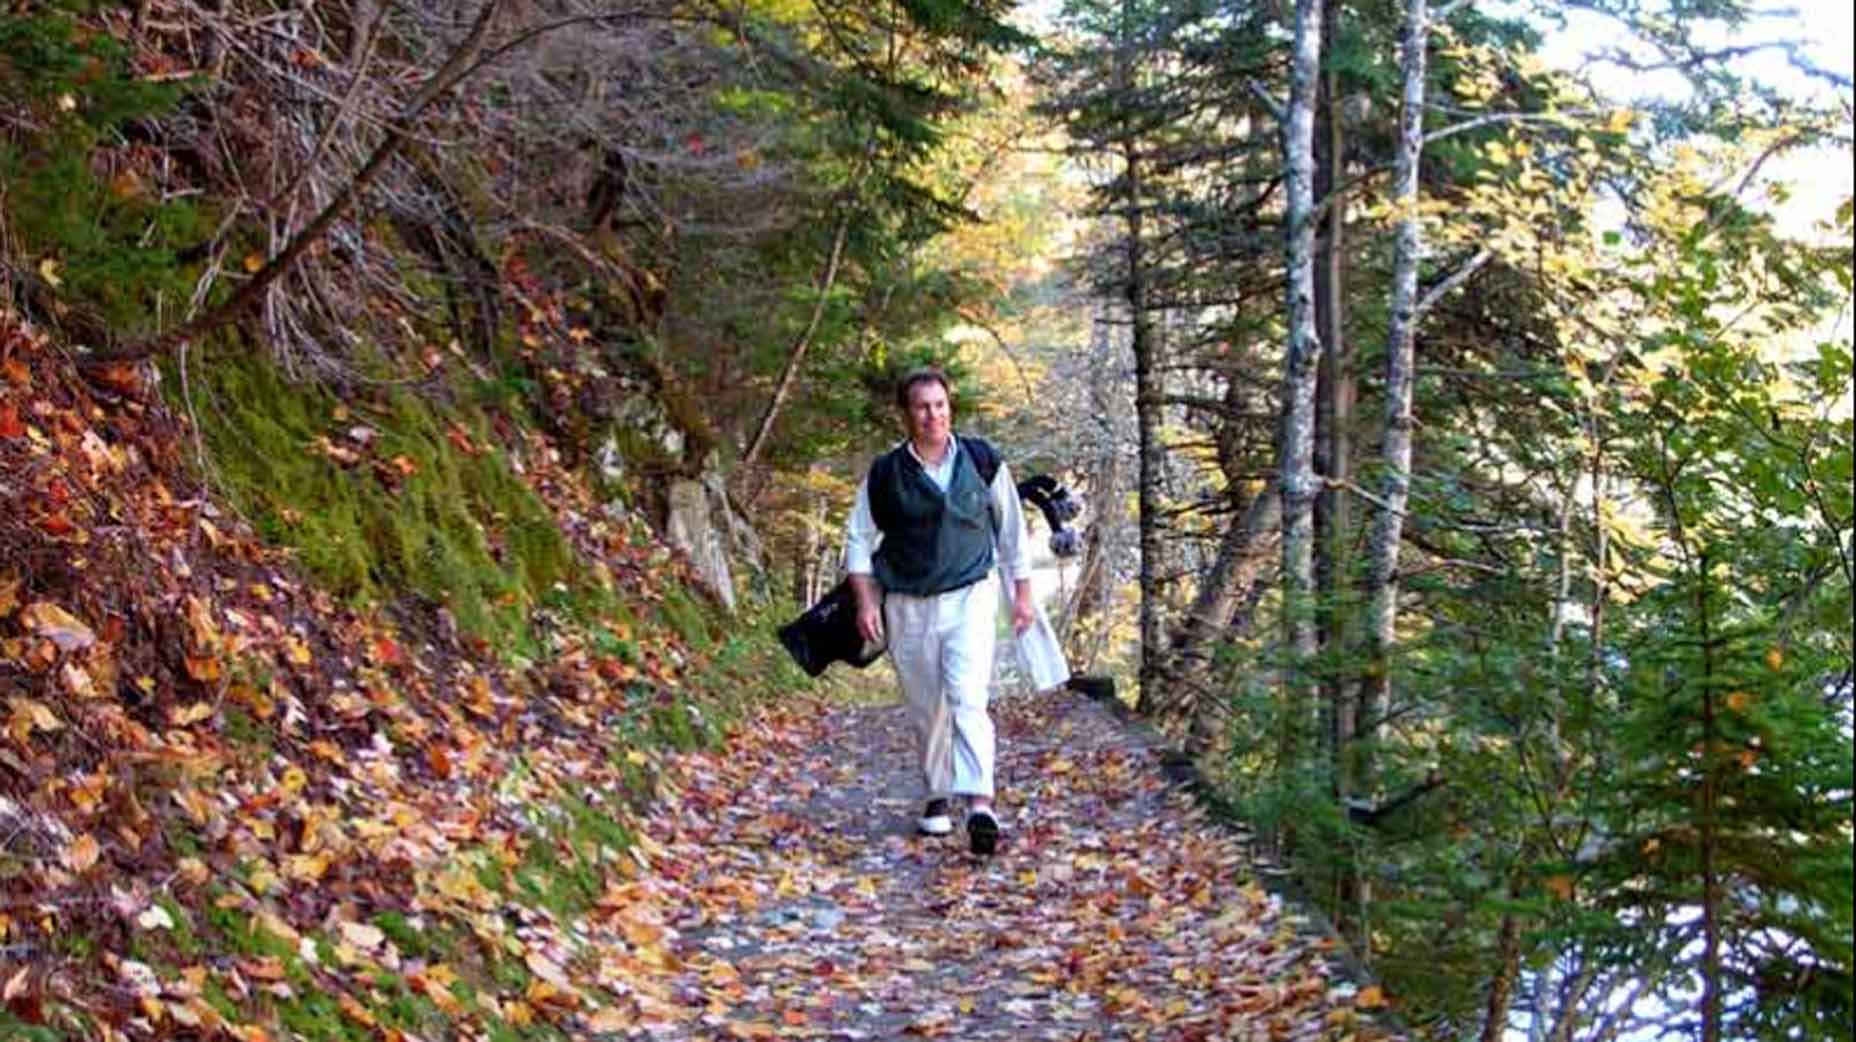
[(331, 715)]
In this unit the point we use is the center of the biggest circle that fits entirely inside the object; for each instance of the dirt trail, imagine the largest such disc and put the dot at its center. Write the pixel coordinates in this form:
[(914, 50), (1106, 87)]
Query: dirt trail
[(792, 899)]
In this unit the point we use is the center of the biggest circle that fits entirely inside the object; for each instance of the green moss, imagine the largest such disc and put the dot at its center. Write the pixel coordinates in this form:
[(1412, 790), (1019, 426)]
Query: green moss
[(313, 1016), (686, 618), (12, 1029), (412, 507), (110, 246)]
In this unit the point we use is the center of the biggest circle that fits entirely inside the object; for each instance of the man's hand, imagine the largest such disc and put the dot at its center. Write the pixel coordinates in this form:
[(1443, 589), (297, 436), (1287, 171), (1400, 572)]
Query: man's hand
[(1024, 611), (869, 607)]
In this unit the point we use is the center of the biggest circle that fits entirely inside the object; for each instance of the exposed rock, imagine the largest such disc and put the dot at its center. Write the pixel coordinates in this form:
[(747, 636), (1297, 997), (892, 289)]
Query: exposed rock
[(691, 528)]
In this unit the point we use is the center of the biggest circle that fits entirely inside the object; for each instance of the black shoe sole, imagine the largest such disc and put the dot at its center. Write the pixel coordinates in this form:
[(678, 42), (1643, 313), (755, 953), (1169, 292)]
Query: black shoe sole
[(983, 833)]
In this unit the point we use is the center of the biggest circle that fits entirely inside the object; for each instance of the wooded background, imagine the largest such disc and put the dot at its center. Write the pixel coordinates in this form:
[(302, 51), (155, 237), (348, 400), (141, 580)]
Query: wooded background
[(1467, 444)]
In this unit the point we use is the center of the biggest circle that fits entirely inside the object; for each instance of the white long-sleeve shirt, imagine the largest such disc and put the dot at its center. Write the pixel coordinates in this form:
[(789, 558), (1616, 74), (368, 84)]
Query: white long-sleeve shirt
[(1010, 542)]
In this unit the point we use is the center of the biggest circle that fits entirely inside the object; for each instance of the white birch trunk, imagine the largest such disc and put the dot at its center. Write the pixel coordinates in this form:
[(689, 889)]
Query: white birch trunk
[(1299, 370), (1388, 524)]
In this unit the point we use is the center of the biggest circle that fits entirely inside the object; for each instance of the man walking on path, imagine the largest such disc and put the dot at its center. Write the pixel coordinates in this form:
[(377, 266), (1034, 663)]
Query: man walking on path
[(924, 534)]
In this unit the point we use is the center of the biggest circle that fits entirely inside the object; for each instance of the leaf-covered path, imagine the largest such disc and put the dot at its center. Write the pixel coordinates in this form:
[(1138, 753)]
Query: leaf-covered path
[(790, 898)]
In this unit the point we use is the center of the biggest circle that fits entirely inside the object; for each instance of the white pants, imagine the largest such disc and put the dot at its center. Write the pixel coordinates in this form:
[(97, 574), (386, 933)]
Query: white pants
[(941, 647)]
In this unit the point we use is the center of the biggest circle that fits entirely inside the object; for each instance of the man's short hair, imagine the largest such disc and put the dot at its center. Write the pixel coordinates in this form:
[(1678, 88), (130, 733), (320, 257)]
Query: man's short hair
[(921, 375)]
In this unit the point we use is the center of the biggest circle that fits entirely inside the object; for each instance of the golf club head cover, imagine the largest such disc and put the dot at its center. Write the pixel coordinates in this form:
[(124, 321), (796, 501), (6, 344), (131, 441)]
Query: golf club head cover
[(827, 633), (1065, 542), (1043, 492)]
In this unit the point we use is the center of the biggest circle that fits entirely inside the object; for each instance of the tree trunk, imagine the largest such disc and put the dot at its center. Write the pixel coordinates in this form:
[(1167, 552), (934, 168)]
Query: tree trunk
[(1333, 421), (1388, 526), (1105, 490), (1711, 895), (1147, 391), (1501, 983), (1236, 573), (1233, 567), (1297, 449)]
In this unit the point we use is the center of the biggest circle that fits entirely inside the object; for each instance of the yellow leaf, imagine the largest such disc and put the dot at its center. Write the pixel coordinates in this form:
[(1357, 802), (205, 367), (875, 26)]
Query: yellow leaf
[(294, 779), (254, 261), (48, 620), (307, 868), (1621, 120), (1775, 658), (48, 270), (193, 714), (32, 714), (299, 651)]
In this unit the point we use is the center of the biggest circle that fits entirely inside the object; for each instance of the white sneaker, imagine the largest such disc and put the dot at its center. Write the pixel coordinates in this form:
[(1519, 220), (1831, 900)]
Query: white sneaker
[(935, 820)]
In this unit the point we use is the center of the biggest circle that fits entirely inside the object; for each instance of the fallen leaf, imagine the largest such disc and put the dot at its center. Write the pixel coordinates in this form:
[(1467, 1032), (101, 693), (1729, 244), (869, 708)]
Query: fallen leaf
[(362, 936), (55, 624), (193, 714), (549, 970), (82, 853), (30, 714)]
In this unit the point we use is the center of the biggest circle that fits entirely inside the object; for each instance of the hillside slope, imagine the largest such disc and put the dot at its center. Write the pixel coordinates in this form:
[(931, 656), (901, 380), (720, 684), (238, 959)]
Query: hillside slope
[(237, 804)]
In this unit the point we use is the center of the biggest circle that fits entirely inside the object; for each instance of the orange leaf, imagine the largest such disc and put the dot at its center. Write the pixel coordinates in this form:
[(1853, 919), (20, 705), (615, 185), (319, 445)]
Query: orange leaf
[(82, 853), (1370, 997), (124, 378), (439, 759), (10, 427), (16, 372), (204, 668)]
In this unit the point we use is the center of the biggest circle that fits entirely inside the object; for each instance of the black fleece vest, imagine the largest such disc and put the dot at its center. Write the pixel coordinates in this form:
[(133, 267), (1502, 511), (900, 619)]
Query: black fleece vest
[(933, 541)]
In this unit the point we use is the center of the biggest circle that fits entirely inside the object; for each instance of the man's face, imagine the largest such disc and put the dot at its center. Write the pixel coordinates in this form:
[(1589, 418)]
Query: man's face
[(928, 413)]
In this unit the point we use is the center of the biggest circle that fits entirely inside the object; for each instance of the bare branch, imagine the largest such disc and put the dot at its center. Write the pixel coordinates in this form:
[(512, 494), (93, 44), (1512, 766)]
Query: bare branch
[(251, 292), (1495, 118), (1452, 281), (1262, 94)]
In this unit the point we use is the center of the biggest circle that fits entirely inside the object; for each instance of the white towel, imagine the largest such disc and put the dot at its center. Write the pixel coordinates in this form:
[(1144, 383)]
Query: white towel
[(1040, 657)]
